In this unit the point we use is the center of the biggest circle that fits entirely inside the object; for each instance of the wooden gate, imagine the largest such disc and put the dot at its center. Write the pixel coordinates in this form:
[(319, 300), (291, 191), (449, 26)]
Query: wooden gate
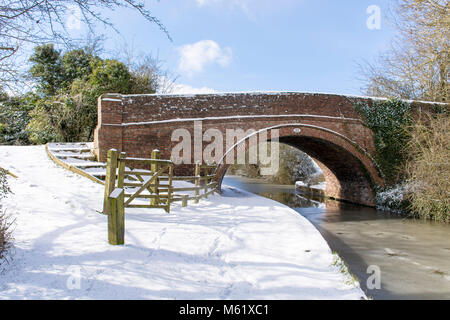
[(147, 183), (126, 173)]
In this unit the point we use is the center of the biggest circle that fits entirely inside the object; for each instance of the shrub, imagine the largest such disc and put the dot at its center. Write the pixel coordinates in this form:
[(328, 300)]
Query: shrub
[(295, 165), (5, 221), (14, 119), (4, 186), (5, 236), (394, 198), (67, 88), (428, 168)]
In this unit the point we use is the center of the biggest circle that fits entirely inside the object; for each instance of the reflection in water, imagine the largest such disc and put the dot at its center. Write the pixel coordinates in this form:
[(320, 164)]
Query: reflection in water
[(293, 200), (413, 255)]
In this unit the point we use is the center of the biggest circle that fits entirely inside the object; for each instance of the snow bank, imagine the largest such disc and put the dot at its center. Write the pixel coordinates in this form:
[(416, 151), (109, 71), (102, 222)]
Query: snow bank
[(234, 246)]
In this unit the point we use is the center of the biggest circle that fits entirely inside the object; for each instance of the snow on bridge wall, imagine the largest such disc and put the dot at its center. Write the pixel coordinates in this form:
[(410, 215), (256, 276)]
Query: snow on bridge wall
[(330, 130)]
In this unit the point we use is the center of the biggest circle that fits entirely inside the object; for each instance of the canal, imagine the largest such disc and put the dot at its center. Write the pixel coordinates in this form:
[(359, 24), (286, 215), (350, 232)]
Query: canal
[(413, 255)]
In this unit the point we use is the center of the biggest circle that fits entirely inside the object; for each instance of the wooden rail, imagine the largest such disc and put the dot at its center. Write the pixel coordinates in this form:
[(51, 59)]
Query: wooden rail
[(204, 185), (9, 173), (71, 167)]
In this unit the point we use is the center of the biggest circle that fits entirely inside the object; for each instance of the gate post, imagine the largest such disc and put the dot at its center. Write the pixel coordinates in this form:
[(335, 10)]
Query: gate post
[(154, 168), (116, 217), (184, 200), (121, 170), (110, 180), (206, 173), (197, 182)]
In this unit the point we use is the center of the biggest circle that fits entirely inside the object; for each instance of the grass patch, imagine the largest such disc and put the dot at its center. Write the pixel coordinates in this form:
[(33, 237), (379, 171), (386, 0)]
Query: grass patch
[(350, 278)]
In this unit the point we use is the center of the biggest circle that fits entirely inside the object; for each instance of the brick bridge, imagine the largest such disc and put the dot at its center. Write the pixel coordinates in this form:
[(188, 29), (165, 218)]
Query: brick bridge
[(325, 126)]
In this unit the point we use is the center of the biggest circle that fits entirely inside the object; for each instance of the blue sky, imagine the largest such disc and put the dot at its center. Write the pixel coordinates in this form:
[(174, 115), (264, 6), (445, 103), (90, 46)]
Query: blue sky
[(258, 45)]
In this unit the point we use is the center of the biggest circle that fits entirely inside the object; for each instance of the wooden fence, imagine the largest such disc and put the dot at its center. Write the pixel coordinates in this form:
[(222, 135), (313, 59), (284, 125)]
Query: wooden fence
[(205, 184), (126, 182)]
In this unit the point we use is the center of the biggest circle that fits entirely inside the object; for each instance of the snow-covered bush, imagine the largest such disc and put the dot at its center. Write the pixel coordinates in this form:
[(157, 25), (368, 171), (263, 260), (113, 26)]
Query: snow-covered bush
[(5, 221), (296, 165), (4, 186), (394, 198)]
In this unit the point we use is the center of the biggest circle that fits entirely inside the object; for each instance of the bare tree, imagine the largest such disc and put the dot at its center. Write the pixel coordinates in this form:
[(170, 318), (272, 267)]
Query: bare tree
[(417, 64), (148, 67), (40, 21)]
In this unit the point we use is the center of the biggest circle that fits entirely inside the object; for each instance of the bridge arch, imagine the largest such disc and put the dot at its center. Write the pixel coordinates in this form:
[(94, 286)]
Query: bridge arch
[(350, 172)]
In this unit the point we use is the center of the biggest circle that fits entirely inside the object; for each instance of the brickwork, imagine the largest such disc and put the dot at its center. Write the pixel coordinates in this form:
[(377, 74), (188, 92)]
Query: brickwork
[(327, 127)]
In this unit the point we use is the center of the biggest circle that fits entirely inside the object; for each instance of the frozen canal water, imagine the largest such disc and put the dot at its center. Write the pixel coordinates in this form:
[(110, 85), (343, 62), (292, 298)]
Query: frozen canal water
[(413, 255)]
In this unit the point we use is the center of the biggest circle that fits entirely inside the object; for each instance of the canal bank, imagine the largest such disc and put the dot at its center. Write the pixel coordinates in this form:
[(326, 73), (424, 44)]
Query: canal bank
[(226, 247), (413, 255)]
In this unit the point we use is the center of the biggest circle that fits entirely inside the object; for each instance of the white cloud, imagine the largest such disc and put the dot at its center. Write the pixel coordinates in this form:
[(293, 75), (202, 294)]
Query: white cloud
[(194, 57)]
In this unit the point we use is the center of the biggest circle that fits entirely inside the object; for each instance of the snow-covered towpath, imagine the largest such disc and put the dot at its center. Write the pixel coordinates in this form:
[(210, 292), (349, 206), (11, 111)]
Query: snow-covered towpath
[(234, 246)]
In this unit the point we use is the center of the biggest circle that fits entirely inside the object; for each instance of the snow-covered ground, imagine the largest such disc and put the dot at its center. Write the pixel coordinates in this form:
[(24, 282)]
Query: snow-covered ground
[(234, 246), (320, 186)]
